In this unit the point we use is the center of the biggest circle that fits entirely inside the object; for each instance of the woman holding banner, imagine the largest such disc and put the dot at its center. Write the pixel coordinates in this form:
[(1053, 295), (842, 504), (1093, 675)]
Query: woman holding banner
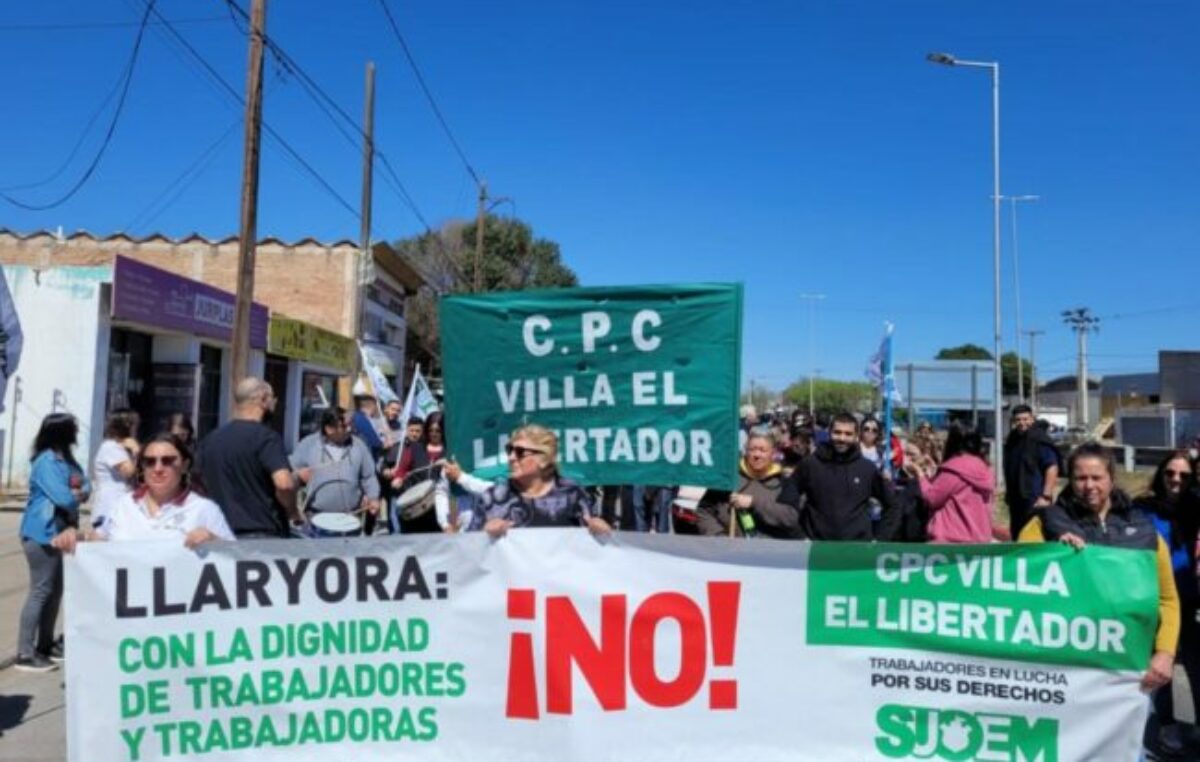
[(1172, 505), (535, 495), (754, 508), (1093, 510), (162, 507)]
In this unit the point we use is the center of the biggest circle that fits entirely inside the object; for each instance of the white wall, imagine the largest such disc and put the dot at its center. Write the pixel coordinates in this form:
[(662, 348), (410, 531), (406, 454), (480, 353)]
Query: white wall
[(61, 312)]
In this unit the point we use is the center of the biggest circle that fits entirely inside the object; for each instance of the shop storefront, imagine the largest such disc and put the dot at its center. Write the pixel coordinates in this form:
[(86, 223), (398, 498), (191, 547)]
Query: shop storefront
[(169, 346), (309, 368)]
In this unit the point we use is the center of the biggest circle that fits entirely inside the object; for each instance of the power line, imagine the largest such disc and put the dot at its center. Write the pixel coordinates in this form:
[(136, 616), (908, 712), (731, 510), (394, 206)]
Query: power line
[(112, 126), (437, 112), (55, 27), (288, 149), (333, 111), (116, 88), (197, 167)]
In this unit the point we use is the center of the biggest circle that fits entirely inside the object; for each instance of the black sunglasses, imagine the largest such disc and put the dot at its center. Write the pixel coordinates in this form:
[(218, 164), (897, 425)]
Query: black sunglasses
[(521, 452), (167, 461)]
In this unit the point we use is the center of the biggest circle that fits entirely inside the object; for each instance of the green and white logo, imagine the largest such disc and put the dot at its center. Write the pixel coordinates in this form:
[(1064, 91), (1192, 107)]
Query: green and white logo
[(952, 735)]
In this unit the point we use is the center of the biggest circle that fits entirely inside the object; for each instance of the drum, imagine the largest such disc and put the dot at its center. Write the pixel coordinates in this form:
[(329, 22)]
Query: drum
[(416, 501), (335, 525)]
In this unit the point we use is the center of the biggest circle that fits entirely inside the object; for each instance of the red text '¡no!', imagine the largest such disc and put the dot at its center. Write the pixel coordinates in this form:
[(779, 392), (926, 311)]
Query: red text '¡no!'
[(624, 654)]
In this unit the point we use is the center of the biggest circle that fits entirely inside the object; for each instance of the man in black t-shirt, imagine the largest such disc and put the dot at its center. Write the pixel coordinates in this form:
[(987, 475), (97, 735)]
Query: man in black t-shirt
[(245, 469)]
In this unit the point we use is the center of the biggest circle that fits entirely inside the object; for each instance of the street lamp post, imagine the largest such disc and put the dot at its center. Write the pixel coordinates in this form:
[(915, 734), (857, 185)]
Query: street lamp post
[(948, 60), (1013, 201)]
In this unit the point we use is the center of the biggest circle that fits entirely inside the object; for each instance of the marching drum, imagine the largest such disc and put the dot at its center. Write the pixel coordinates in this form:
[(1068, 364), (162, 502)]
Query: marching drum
[(416, 501), (336, 524)]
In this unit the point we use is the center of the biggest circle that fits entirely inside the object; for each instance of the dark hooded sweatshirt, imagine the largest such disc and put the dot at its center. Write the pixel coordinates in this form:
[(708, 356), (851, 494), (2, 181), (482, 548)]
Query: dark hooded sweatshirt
[(833, 493)]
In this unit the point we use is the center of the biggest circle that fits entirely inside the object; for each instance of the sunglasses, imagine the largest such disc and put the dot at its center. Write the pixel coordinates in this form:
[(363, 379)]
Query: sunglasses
[(1180, 474), (167, 461), (521, 452)]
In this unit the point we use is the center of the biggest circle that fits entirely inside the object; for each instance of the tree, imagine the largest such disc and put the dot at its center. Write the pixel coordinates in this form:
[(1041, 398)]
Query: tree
[(513, 260), (1008, 373), (964, 352), (1008, 364), (831, 396)]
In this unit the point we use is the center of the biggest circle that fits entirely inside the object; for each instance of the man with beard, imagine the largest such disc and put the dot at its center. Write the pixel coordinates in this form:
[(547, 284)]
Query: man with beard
[(1031, 466), (835, 487), (245, 469)]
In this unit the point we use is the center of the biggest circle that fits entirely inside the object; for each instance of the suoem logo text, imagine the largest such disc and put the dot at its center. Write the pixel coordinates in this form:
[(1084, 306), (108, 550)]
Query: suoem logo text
[(952, 735)]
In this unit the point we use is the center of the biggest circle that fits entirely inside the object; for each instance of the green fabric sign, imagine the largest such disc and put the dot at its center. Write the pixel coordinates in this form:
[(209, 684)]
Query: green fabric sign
[(1047, 603), (640, 383)]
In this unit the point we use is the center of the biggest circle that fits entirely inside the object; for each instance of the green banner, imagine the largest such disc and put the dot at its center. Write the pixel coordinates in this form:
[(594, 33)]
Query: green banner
[(1049, 603), (640, 383)]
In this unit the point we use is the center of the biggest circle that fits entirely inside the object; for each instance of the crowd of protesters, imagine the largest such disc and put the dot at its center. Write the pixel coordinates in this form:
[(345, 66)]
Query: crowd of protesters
[(840, 479)]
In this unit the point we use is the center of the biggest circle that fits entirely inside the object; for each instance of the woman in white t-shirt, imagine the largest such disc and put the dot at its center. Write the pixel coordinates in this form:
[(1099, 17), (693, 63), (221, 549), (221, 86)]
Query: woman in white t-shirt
[(162, 508), (113, 468)]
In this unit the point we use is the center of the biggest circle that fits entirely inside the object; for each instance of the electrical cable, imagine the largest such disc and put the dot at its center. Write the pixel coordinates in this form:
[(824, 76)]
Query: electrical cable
[(112, 126), (437, 112), (54, 27), (274, 134), (144, 217), (334, 111)]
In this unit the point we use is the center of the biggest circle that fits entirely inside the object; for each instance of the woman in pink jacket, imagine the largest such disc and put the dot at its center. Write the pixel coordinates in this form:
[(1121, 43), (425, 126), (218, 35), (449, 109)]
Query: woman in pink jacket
[(960, 493)]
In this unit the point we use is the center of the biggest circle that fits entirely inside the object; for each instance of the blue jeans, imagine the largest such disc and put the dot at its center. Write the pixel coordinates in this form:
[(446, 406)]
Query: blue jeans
[(657, 515)]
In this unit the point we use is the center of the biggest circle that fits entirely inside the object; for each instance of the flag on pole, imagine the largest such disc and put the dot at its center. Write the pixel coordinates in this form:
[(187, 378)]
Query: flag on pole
[(879, 372), (879, 368), (375, 378), (421, 403), (11, 337)]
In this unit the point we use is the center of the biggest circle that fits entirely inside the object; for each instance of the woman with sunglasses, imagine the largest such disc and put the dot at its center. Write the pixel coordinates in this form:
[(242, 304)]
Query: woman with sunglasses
[(535, 495), (1171, 504), (162, 507), (870, 440)]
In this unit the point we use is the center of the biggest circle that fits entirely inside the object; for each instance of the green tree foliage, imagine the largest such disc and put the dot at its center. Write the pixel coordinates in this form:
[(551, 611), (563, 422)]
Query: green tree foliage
[(964, 352), (1008, 364), (832, 396), (1008, 373), (513, 260)]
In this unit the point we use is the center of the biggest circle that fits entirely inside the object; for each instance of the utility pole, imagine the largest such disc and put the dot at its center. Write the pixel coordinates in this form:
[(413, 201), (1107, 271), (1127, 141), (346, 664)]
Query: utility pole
[(365, 262), (480, 219), (812, 300), (1033, 379), (1082, 321), (248, 230), (1014, 200)]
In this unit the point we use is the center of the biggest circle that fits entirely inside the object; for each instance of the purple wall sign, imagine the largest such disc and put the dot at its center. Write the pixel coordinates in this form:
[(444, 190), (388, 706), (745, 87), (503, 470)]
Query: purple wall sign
[(154, 297)]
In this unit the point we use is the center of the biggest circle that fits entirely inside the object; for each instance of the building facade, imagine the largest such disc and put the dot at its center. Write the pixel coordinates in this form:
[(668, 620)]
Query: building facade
[(117, 322)]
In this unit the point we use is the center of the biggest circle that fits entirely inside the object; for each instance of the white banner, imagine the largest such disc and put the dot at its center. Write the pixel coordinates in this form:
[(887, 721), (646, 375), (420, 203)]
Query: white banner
[(552, 645)]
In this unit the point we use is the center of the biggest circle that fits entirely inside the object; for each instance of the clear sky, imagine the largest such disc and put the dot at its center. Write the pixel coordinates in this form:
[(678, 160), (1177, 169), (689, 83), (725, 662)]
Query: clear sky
[(795, 146)]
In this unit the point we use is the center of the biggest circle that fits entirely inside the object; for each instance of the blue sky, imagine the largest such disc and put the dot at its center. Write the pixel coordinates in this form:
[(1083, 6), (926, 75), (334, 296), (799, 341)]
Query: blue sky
[(794, 146)]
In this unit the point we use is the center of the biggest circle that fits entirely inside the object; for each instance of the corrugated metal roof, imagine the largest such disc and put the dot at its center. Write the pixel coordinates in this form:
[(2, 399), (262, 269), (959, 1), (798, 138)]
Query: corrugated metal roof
[(156, 236)]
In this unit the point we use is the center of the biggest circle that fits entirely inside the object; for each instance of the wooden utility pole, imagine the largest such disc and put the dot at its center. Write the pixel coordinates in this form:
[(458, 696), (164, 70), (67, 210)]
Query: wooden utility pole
[(248, 231), (365, 262), (480, 219)]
